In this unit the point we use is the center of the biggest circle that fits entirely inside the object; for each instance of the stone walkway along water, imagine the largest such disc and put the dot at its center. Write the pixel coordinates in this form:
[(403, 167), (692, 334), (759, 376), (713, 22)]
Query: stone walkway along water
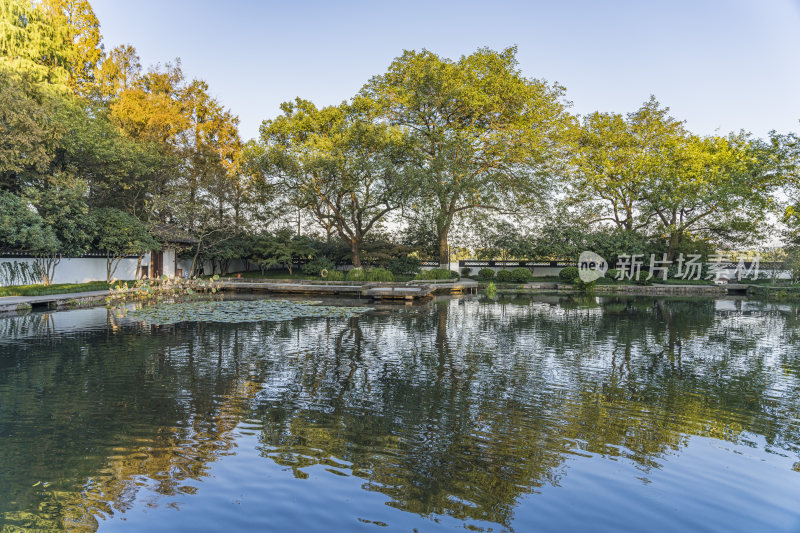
[(13, 303)]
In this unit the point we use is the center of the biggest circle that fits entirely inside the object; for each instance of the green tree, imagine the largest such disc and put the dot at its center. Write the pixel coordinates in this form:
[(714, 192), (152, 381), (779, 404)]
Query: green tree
[(484, 136), (120, 171), (63, 209), (22, 229), (32, 43), (718, 187), (118, 72), (614, 158), (79, 29), (118, 235), (280, 249), (339, 163), (28, 130)]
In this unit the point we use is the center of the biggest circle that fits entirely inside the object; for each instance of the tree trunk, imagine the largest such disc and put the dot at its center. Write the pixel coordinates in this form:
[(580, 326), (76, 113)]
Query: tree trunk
[(355, 248), (139, 266), (444, 251), (674, 242), (194, 258)]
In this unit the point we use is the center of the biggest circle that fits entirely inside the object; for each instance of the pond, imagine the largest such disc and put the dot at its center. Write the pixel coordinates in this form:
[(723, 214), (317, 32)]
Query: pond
[(528, 414)]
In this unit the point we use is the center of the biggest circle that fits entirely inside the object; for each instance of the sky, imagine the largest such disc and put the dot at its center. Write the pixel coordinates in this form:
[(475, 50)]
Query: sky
[(720, 65)]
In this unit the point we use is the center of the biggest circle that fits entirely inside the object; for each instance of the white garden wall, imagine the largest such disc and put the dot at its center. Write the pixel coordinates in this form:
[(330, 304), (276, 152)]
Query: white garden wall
[(85, 269)]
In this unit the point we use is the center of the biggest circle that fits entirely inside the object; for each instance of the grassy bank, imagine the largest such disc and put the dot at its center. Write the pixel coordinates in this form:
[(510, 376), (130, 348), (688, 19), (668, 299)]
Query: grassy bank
[(63, 288)]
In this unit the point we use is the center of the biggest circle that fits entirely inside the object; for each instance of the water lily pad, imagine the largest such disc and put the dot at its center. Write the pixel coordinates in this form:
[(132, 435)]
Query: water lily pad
[(233, 311)]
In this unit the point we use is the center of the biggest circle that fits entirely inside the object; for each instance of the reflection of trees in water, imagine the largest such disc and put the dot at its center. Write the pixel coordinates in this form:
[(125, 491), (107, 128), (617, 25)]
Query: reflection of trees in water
[(509, 390), (458, 408), (91, 417)]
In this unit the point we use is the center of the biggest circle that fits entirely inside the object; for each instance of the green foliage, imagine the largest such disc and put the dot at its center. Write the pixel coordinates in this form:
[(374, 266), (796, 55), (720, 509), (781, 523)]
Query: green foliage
[(491, 290), (32, 43), (279, 249), (504, 276), (335, 275), (612, 273), (356, 274), (646, 173), (28, 131), (521, 275), (464, 115), (466, 271), (437, 274), (372, 274), (501, 240), (154, 290), (22, 229), (19, 273), (405, 266), (486, 274), (59, 288), (239, 311), (63, 209), (339, 163), (317, 265), (378, 274), (118, 234), (568, 274), (123, 172)]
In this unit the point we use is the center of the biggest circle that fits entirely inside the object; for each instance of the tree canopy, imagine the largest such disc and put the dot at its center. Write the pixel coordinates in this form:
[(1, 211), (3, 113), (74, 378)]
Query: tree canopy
[(484, 137), (432, 155)]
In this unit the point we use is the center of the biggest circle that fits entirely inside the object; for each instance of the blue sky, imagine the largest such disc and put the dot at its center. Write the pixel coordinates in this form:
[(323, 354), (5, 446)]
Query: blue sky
[(721, 65)]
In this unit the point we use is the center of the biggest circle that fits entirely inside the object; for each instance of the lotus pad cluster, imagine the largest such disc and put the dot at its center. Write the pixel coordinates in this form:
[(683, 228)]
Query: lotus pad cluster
[(232, 311)]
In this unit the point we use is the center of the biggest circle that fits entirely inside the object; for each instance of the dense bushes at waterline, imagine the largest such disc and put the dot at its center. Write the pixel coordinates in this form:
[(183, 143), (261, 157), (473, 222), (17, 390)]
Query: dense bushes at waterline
[(568, 274), (486, 274), (437, 274)]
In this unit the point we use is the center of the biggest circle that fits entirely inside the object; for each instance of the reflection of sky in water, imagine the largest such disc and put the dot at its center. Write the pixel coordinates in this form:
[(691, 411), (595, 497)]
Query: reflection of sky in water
[(544, 414)]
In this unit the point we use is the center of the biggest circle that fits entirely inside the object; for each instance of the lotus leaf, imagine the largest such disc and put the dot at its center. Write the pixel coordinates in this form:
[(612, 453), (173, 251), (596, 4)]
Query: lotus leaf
[(233, 311)]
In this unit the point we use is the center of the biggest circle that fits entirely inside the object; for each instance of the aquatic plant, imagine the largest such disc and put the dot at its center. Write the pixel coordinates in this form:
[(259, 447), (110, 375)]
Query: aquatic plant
[(162, 288), (491, 290), (235, 311)]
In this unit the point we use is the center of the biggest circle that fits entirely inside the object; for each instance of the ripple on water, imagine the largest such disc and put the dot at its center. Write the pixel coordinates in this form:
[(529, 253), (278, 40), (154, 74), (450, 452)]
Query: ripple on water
[(565, 415)]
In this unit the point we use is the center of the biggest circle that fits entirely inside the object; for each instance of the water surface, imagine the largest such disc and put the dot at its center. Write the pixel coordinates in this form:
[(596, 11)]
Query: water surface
[(544, 414)]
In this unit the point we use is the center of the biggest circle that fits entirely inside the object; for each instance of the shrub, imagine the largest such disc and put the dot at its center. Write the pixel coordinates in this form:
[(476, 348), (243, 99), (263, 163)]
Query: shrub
[(372, 274), (522, 275), (568, 274), (437, 274), (491, 290), (316, 265), (356, 274), (486, 274), (504, 276), (335, 275), (404, 266), (466, 271), (612, 273), (378, 274)]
